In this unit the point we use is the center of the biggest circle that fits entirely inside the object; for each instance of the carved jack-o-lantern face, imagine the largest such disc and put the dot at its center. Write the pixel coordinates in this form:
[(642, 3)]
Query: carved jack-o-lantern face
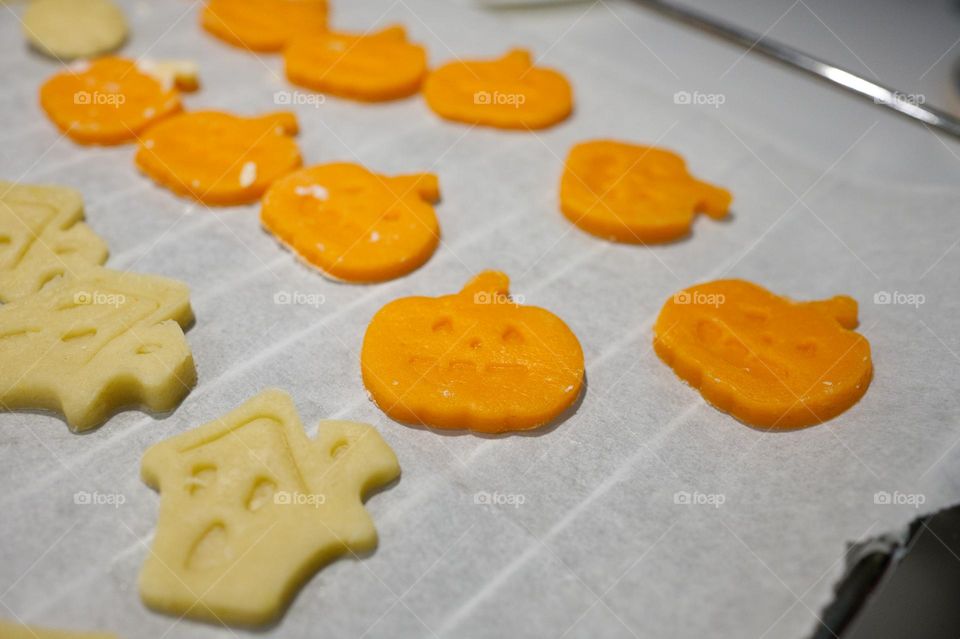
[(263, 25), (371, 67), (474, 360), (352, 224), (219, 158), (765, 359), (628, 193), (109, 102), (508, 93)]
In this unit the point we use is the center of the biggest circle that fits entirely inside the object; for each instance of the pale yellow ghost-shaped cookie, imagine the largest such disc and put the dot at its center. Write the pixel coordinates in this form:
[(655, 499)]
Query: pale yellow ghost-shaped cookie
[(42, 236), (9, 630), (87, 346), (251, 507)]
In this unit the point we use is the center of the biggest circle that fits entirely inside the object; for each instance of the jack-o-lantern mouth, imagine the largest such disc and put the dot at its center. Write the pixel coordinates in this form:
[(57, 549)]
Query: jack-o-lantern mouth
[(768, 361), (475, 360)]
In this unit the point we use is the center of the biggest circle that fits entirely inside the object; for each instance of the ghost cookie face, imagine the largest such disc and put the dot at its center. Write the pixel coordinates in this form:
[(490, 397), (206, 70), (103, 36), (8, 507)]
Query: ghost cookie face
[(218, 158), (508, 93), (250, 508), (635, 194), (368, 67), (473, 360), (110, 101), (354, 225), (768, 361)]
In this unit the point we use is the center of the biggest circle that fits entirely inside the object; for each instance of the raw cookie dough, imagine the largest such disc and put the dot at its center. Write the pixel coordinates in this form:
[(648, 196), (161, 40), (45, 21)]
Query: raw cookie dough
[(637, 194), (264, 25), (352, 224), (768, 361), (218, 158), (42, 236), (250, 508), (110, 101), (10, 630), (509, 93), (474, 360), (370, 67), (87, 346), (69, 29)]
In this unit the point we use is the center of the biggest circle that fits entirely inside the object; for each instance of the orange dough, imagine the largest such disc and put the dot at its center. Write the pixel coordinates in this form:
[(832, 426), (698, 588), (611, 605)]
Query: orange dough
[(108, 101), (352, 224), (219, 158), (508, 93), (638, 194), (264, 25), (474, 360), (766, 360), (379, 66)]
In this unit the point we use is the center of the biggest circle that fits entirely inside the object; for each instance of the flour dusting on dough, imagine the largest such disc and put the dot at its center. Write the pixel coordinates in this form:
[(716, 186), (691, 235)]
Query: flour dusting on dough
[(248, 174), (313, 190)]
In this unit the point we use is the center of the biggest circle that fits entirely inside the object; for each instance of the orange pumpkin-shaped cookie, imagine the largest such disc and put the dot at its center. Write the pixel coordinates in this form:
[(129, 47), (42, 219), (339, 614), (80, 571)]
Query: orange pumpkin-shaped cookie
[(508, 93), (374, 67), (108, 101), (766, 360), (352, 224), (263, 25), (219, 158), (638, 194), (473, 360)]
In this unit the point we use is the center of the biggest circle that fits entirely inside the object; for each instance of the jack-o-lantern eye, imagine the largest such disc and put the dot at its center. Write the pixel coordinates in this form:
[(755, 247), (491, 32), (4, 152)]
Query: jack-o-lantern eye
[(264, 25), (111, 101), (634, 194), (474, 360), (764, 359), (354, 225), (219, 158), (369, 67), (509, 93)]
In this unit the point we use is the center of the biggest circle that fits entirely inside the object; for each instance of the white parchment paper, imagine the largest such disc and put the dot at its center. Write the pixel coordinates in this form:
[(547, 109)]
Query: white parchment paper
[(598, 547)]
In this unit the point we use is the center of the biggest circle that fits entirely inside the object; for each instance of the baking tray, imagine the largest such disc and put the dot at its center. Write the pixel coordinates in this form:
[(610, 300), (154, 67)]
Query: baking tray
[(599, 545)]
